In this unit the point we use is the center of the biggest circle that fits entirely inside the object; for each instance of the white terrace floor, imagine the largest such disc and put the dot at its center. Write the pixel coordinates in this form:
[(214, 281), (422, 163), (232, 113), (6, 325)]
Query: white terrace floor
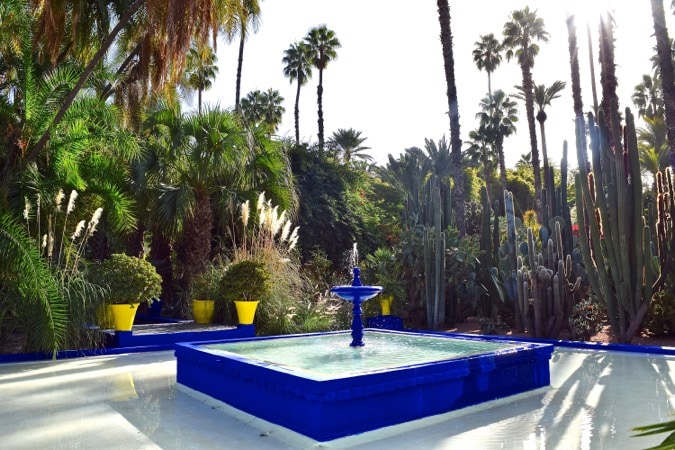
[(132, 401)]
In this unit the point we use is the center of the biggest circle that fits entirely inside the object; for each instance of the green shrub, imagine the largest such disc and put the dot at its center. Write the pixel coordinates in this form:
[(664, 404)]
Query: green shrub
[(127, 279), (245, 280)]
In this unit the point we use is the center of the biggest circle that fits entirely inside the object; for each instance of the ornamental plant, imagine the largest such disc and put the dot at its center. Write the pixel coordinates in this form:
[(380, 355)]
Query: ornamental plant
[(246, 280), (128, 279)]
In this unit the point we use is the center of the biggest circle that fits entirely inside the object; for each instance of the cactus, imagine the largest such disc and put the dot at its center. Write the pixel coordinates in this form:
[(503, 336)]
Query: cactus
[(548, 285), (616, 249), (434, 256)]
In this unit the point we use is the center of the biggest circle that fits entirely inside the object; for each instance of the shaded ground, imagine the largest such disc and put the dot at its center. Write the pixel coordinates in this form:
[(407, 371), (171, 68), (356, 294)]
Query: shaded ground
[(604, 336)]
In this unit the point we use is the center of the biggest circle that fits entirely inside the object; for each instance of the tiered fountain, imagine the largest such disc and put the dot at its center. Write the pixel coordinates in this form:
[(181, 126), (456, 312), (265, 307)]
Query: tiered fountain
[(315, 385), (356, 293)]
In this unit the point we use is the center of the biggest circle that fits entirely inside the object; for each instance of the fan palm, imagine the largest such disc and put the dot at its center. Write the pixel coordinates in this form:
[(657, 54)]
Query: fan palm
[(200, 71), (648, 96), (323, 45), (260, 107), (498, 118), (298, 66), (487, 56), (520, 33), (201, 162), (653, 146), (350, 143), (247, 19)]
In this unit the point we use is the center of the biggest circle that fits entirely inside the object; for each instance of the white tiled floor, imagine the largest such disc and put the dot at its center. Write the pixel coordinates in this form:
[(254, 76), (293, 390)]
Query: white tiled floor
[(132, 402)]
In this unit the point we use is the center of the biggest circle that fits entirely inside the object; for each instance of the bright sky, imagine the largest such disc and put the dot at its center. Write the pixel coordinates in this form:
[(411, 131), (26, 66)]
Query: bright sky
[(388, 80)]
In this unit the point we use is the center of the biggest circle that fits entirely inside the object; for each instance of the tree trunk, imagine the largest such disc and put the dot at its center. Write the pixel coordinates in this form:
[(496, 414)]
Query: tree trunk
[(666, 70), (296, 113), (453, 110), (319, 102), (529, 108), (240, 63), (608, 74)]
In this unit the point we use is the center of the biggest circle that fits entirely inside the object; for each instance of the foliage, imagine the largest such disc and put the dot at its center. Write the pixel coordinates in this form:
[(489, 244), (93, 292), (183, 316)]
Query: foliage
[(206, 285), (587, 319), (383, 268), (665, 427), (245, 280), (128, 279), (660, 319)]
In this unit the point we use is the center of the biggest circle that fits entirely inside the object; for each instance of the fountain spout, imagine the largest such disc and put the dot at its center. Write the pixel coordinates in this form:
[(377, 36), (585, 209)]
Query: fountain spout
[(356, 293)]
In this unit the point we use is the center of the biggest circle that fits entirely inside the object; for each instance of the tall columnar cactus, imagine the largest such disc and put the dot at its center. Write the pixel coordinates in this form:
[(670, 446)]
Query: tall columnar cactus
[(547, 288), (616, 250), (434, 257), (510, 272)]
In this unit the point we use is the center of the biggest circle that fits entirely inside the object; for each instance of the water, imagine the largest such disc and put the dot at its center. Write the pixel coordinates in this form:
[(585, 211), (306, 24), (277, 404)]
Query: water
[(329, 356)]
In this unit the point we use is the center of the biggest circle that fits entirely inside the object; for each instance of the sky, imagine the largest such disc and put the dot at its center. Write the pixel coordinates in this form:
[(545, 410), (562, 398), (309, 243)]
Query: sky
[(388, 80)]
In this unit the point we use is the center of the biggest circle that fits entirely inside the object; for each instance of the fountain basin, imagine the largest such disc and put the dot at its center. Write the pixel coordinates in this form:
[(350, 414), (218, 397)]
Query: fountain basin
[(325, 403)]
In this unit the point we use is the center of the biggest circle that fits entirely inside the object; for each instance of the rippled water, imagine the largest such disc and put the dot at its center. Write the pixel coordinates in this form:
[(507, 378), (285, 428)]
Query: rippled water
[(330, 354)]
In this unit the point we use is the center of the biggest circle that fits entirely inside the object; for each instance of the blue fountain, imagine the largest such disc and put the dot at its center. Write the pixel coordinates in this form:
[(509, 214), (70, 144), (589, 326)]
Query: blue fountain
[(356, 293)]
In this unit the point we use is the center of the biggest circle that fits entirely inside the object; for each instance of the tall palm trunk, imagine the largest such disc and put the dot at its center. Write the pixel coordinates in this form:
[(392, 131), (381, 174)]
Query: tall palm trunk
[(529, 109), (195, 246), (453, 108), (240, 63), (576, 78), (548, 181), (502, 164), (666, 69), (319, 101), (608, 80), (296, 113)]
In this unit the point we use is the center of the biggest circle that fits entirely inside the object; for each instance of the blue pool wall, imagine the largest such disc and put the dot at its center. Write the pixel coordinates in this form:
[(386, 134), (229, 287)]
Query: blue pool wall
[(329, 409)]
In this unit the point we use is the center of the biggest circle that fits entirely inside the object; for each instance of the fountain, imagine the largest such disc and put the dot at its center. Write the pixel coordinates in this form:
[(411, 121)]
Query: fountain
[(356, 293), (315, 385)]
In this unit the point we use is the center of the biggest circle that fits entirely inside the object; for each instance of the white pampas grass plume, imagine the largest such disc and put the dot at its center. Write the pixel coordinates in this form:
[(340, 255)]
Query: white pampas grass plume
[(26, 209), (261, 202), (95, 219), (50, 245), (78, 230), (285, 231), (58, 200), (245, 213), (274, 221), (71, 201), (293, 240)]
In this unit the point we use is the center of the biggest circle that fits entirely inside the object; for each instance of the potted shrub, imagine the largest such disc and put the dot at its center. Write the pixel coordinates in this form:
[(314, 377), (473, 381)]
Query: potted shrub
[(205, 290), (245, 283), (129, 281), (384, 266)]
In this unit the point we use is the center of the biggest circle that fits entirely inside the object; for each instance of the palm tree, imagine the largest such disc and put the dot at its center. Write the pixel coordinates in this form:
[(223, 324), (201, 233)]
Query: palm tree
[(248, 18), (203, 161), (453, 111), (653, 146), (155, 20), (498, 117), (323, 46), (350, 143), (648, 96), (487, 56), (260, 107), (480, 149), (519, 36), (663, 48), (298, 66), (543, 96), (200, 71)]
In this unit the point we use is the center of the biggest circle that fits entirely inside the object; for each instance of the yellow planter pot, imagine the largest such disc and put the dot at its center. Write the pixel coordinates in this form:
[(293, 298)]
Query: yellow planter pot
[(385, 303), (246, 311), (202, 310), (123, 315)]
